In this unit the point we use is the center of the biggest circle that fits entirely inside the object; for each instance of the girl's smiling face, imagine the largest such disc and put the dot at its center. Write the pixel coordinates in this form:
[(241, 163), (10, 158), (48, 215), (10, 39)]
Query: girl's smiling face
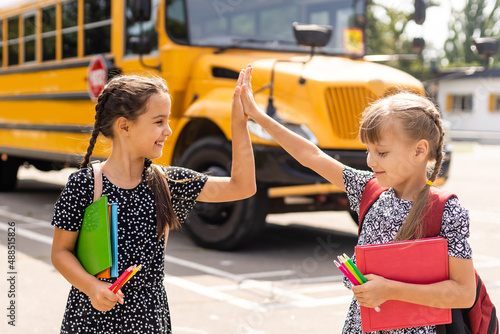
[(148, 133), (392, 158)]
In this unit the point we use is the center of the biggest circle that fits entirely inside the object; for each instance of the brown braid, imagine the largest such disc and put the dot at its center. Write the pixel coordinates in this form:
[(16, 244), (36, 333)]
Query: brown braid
[(128, 96), (434, 115), (419, 119), (99, 110)]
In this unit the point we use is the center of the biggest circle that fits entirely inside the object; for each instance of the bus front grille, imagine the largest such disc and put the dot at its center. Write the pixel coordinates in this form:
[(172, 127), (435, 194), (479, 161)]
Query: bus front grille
[(345, 105)]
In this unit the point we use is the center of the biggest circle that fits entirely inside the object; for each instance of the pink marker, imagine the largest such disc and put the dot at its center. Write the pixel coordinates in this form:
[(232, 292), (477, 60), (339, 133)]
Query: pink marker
[(347, 273)]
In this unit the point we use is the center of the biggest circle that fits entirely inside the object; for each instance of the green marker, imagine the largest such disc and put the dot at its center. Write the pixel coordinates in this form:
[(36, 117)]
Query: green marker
[(352, 267)]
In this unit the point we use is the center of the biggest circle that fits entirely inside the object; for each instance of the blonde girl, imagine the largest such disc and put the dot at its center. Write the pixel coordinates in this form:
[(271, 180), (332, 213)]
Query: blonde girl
[(403, 135), (134, 112)]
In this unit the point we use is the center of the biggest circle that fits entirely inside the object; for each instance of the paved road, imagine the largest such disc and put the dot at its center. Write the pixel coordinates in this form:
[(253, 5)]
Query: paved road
[(283, 283)]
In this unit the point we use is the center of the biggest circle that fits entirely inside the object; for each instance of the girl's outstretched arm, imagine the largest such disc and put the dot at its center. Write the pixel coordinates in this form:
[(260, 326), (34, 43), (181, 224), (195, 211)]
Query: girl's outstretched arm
[(242, 183), (65, 261), (301, 149)]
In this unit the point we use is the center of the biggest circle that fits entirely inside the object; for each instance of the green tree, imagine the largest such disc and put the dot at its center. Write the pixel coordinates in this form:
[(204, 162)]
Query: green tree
[(385, 34), (474, 20)]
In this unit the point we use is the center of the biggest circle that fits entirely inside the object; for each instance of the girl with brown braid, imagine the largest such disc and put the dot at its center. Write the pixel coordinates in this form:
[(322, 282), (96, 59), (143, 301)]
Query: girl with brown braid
[(133, 112), (404, 138)]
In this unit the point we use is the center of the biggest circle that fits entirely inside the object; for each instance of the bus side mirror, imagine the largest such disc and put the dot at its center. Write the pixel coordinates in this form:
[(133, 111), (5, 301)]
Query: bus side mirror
[(141, 10), (140, 45), (485, 47), (312, 34), (419, 15)]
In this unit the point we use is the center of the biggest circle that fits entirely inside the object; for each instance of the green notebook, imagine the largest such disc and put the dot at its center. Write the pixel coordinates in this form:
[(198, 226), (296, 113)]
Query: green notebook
[(93, 248)]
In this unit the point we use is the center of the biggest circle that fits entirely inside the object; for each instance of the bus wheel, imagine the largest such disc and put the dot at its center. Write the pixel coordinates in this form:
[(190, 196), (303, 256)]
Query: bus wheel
[(8, 174), (228, 225)]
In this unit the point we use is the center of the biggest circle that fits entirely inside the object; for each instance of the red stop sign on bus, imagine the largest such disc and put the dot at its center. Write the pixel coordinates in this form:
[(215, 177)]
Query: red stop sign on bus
[(97, 76)]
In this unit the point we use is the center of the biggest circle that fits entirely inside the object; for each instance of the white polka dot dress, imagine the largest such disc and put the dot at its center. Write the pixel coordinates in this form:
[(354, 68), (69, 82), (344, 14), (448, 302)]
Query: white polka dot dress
[(145, 308), (381, 224)]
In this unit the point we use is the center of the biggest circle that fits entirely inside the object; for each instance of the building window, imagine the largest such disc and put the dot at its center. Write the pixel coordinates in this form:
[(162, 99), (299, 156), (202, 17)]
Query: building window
[(29, 37), (49, 33), (97, 26), (13, 40), (70, 29), (459, 103), (495, 103)]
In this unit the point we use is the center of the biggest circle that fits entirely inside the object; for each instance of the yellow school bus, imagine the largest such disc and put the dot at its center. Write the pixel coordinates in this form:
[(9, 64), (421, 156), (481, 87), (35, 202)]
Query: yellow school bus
[(311, 76)]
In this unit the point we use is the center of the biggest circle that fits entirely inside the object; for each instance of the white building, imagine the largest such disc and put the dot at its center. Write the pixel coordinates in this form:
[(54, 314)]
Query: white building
[(471, 102)]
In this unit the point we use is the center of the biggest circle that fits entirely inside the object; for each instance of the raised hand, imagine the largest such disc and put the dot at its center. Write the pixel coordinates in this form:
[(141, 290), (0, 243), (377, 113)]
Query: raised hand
[(249, 105), (237, 107)]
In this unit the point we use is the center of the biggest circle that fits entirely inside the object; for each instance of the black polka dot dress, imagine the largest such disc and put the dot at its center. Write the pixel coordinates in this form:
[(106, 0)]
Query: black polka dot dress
[(381, 224), (145, 308)]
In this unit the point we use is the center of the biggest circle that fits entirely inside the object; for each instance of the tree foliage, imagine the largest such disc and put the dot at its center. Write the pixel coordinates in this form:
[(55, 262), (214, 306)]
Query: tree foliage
[(385, 34), (474, 20)]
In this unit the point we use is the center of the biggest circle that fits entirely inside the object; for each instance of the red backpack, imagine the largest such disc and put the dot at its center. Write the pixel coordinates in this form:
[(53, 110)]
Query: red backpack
[(481, 317)]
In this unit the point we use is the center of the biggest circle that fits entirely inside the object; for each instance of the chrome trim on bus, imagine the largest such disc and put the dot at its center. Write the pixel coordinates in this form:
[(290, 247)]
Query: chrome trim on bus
[(72, 160), (69, 96), (48, 127)]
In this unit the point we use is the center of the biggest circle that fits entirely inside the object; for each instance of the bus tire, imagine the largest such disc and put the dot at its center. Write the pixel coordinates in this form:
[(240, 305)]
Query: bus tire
[(222, 226), (8, 175)]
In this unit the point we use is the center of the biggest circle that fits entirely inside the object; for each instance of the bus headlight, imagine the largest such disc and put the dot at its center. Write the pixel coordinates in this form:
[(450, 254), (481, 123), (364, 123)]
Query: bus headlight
[(300, 129)]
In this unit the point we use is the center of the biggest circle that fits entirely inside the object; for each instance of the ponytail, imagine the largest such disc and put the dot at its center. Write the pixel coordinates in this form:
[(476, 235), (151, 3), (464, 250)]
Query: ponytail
[(99, 110), (90, 148), (413, 227), (166, 217)]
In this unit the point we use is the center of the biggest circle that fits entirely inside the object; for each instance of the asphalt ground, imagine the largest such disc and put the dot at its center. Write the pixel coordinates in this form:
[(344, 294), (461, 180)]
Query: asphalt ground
[(284, 282)]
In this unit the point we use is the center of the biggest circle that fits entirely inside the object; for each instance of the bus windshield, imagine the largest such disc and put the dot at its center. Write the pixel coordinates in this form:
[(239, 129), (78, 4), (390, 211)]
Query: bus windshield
[(268, 24)]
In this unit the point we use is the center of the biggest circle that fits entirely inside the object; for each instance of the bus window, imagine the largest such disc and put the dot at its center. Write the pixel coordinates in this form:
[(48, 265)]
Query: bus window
[(69, 29), (148, 28), (13, 40), (97, 26), (49, 33), (176, 21), (29, 37), (244, 24), (274, 19)]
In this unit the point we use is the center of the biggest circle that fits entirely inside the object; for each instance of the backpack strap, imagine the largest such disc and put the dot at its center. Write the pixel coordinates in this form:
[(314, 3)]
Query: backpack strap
[(433, 215), (372, 191), (96, 166)]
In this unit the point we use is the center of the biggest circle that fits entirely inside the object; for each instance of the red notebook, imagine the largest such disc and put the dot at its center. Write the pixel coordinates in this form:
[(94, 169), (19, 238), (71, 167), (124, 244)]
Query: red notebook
[(420, 261)]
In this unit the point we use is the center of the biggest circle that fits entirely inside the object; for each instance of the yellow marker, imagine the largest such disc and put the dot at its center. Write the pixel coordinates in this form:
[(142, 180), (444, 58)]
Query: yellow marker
[(132, 274)]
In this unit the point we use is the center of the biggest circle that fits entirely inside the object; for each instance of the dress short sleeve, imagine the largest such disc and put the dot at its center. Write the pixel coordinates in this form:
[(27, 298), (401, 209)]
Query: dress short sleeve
[(355, 182), (75, 197), (185, 186), (455, 228)]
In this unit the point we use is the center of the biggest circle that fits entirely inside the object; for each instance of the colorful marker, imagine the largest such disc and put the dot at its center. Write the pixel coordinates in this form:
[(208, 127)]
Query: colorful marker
[(122, 278), (347, 273), (355, 268)]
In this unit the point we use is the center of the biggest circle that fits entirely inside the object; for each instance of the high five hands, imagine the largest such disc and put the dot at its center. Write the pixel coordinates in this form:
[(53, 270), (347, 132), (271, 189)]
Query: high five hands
[(244, 90)]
